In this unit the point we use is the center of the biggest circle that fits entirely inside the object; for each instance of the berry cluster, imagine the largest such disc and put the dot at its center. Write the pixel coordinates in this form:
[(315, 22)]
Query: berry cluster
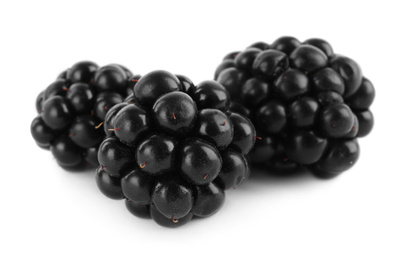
[(308, 104), (72, 107), (173, 148)]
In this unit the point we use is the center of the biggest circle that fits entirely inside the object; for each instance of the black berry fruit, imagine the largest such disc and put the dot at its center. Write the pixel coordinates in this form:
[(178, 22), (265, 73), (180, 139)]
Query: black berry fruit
[(111, 78), (173, 148), (308, 104), (175, 113), (115, 157), (153, 85), (72, 108), (207, 127), (137, 187), (58, 113), (81, 96), (130, 123), (158, 151), (210, 94), (109, 186), (66, 152), (173, 198), (269, 63), (200, 161), (140, 211), (81, 72), (42, 133), (308, 58)]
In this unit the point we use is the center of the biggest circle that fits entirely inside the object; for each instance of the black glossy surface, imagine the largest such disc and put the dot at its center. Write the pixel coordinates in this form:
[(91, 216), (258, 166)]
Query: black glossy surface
[(108, 185), (234, 170), (211, 94), (130, 124), (81, 72), (83, 131), (291, 84), (286, 44), (111, 78), (338, 157), (138, 186), (175, 113), (57, 113), (260, 45), (76, 109), (231, 55), (131, 84), (232, 79), (200, 161), (156, 154), (366, 122), (350, 71), (82, 97), (322, 45), (57, 88), (244, 60), (41, 133), (305, 147), (62, 75), (329, 98), (187, 85), (130, 99), (66, 153), (300, 97), (328, 80), (354, 130), (168, 222), (138, 210), (128, 73), (283, 166), (264, 149), (303, 112), (308, 58), (336, 121), (172, 198), (116, 157), (164, 147), (150, 151), (90, 155), (255, 91), (240, 109), (153, 85), (271, 117), (110, 118), (214, 126), (104, 101), (39, 102), (244, 134), (270, 63), (223, 66), (364, 96), (209, 199)]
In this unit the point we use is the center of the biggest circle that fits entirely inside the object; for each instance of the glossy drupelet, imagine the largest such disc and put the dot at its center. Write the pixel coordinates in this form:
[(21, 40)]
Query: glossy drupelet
[(173, 148), (308, 104), (71, 109)]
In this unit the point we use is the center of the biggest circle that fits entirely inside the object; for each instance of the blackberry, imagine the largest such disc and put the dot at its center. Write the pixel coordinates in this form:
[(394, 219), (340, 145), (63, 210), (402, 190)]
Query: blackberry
[(71, 109), (173, 148), (308, 104)]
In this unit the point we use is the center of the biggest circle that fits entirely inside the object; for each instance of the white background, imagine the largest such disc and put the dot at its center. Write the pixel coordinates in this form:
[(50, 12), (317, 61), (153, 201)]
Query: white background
[(49, 213)]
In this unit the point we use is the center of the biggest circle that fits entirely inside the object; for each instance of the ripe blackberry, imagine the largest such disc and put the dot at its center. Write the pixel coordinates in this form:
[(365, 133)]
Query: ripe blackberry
[(308, 104), (173, 148), (72, 108)]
